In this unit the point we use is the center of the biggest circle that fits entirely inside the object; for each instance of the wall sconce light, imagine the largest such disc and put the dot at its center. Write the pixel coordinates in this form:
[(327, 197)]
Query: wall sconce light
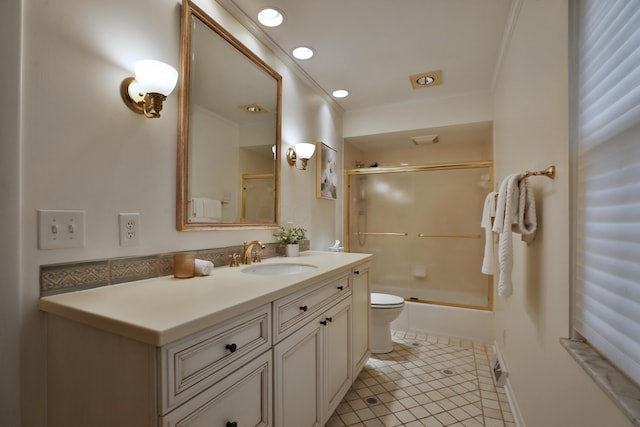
[(304, 151), (145, 93)]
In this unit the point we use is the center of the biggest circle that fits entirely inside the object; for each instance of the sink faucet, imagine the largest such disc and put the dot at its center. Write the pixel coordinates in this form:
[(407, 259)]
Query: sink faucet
[(246, 251)]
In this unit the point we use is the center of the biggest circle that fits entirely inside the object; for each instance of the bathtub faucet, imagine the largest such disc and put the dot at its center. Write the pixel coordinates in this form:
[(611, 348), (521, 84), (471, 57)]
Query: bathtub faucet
[(248, 247)]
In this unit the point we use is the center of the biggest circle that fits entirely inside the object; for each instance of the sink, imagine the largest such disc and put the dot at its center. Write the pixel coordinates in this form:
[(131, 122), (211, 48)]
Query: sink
[(278, 269)]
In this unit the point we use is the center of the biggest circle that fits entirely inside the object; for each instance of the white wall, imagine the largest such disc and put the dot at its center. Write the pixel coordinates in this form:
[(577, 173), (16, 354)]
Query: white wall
[(431, 112), (78, 146), (531, 132), (10, 212)]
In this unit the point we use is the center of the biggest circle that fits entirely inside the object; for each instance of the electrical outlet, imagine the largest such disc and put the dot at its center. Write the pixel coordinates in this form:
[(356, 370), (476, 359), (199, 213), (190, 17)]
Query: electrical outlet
[(129, 228), (60, 229)]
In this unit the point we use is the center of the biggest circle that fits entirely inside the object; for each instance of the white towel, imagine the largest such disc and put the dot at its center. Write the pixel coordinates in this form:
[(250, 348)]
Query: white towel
[(506, 216), (488, 212), (203, 267), (196, 207), (204, 207), (212, 208), (527, 221)]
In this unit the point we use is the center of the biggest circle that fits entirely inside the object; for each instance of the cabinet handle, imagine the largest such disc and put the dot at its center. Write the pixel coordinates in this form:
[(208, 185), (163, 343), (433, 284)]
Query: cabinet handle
[(329, 319), (304, 308), (232, 424), (340, 288), (356, 272), (323, 322), (232, 348)]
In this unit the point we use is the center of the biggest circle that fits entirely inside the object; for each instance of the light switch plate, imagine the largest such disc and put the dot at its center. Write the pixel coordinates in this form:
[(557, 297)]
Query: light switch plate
[(58, 229)]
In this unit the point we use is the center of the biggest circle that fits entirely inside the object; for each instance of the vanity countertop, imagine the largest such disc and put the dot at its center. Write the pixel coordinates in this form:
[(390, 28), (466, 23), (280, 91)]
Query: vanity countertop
[(161, 310)]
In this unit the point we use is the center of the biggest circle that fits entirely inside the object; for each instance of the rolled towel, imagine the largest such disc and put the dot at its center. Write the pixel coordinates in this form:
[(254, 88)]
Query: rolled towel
[(203, 267)]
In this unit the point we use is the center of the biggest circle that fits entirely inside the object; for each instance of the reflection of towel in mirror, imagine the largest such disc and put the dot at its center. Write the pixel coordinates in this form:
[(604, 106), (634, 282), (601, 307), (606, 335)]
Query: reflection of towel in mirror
[(203, 207)]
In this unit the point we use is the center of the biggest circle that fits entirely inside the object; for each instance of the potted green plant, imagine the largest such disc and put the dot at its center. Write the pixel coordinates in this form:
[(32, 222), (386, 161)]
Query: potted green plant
[(291, 238)]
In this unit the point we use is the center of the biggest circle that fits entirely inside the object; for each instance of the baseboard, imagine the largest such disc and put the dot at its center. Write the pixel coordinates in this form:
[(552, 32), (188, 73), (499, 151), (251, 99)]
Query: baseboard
[(513, 403), (511, 397)]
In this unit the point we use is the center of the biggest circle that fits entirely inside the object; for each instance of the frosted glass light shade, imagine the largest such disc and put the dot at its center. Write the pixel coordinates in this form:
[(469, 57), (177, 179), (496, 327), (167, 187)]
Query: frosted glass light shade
[(155, 76), (305, 150)]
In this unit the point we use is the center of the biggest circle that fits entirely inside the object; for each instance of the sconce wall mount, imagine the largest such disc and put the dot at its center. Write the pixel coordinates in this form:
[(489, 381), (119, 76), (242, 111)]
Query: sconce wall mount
[(145, 93), (304, 151)]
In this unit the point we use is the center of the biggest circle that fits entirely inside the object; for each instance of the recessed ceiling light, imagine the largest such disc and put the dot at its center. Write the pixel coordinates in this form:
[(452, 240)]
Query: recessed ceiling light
[(429, 79), (340, 93), (425, 80), (270, 17), (253, 108), (302, 52)]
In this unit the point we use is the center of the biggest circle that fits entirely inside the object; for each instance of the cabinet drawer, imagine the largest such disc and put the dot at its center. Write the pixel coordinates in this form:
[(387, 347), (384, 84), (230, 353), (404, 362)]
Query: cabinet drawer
[(195, 363), (293, 311), (243, 398)]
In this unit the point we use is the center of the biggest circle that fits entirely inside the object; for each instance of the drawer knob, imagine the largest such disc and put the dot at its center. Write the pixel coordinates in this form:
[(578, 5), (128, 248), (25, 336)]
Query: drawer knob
[(323, 322), (304, 308), (340, 288), (356, 272), (232, 424), (232, 348), (329, 319)]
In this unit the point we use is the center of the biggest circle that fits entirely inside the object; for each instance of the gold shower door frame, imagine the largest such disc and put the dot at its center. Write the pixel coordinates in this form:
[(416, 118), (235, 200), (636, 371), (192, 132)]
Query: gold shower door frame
[(488, 164), (245, 179)]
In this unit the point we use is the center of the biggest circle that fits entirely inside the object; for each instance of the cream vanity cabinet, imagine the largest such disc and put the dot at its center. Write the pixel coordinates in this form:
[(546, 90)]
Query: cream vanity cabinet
[(287, 360), (312, 366), (361, 316), (219, 376)]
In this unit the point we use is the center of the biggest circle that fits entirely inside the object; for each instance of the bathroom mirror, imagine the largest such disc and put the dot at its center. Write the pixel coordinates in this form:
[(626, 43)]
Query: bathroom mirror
[(228, 130)]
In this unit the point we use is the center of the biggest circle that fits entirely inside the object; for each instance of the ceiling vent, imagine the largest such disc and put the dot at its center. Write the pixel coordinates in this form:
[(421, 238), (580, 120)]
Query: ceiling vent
[(425, 139), (428, 79)]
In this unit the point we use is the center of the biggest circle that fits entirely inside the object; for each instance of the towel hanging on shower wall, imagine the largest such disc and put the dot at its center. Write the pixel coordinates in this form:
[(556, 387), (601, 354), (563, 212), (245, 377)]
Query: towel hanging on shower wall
[(488, 213)]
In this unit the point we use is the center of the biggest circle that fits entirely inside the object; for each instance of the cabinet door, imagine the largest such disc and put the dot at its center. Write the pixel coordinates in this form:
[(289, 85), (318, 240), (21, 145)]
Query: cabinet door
[(241, 399), (297, 378), (337, 355), (361, 309)]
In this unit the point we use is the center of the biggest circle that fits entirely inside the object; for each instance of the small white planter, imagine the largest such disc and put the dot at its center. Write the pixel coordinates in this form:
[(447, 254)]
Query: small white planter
[(292, 249)]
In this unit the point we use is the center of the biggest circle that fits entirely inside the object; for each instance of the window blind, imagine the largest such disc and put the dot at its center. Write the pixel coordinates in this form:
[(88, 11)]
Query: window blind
[(607, 162)]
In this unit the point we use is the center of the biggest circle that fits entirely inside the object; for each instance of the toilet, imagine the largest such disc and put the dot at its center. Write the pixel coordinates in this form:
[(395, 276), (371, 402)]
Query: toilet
[(385, 309)]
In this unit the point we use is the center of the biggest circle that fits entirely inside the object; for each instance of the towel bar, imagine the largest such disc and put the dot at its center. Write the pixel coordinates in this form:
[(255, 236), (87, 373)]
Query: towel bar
[(365, 233), (549, 172), (456, 236)]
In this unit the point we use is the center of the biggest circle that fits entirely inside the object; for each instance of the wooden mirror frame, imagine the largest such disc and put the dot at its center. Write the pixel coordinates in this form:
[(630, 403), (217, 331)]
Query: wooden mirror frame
[(189, 10)]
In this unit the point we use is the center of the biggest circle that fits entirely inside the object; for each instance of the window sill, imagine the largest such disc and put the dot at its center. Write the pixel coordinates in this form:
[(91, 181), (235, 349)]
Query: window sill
[(616, 385)]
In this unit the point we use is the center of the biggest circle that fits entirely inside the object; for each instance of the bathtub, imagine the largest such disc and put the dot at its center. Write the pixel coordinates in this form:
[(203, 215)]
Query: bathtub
[(433, 319)]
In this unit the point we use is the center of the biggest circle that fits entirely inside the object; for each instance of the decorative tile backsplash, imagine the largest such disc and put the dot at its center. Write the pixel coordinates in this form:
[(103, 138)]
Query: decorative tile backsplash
[(75, 276)]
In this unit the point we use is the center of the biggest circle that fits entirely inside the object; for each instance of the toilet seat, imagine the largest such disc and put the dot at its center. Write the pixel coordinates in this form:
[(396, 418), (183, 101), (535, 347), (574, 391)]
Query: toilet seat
[(379, 300)]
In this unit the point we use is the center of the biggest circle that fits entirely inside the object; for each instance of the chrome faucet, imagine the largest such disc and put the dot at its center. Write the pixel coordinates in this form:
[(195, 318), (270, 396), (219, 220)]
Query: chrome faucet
[(246, 251)]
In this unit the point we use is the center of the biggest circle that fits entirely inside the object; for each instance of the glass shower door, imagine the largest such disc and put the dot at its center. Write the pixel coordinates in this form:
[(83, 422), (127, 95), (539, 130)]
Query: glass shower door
[(423, 227)]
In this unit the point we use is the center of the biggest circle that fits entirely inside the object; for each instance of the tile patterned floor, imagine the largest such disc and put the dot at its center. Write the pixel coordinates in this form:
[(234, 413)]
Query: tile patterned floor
[(426, 381)]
